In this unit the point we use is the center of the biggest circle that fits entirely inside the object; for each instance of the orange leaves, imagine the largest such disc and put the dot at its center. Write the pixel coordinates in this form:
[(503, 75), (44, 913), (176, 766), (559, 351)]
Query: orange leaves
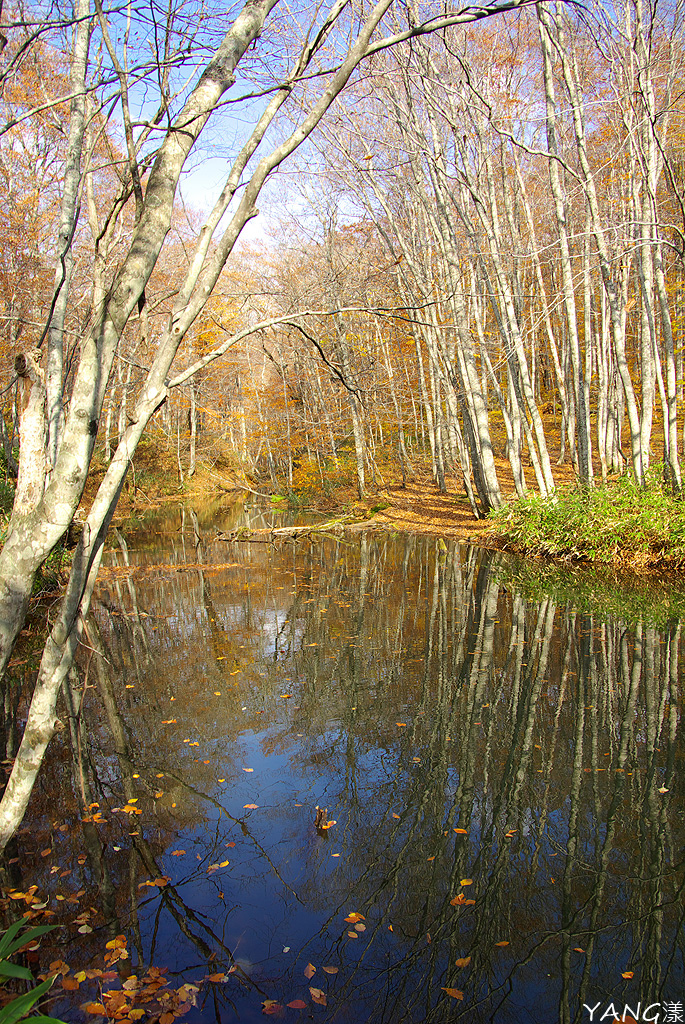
[(216, 979), (354, 916), (318, 996), (461, 831), (463, 961), (505, 943), (330, 970), (461, 901), (158, 882), (309, 971), (628, 974), (250, 807), (455, 993), (466, 881)]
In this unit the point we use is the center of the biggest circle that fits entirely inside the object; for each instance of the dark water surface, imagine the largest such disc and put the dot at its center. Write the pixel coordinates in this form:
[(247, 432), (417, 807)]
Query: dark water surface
[(506, 780)]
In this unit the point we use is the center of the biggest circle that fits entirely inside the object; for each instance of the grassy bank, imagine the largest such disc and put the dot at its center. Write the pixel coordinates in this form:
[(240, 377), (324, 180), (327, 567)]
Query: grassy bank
[(616, 524)]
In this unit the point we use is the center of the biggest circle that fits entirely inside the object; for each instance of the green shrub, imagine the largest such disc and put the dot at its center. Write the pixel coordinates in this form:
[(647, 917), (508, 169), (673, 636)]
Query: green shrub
[(617, 523), (16, 936)]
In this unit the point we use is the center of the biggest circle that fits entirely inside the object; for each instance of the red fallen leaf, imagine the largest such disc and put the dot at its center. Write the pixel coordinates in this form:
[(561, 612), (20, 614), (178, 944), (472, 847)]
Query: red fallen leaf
[(269, 1006), (453, 992), (318, 996), (297, 1004), (330, 970), (250, 807), (309, 971)]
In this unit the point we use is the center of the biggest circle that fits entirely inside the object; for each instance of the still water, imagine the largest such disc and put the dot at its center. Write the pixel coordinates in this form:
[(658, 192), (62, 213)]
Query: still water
[(503, 778)]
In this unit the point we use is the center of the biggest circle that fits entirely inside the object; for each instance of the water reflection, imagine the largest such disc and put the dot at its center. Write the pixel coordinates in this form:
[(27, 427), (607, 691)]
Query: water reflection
[(505, 777)]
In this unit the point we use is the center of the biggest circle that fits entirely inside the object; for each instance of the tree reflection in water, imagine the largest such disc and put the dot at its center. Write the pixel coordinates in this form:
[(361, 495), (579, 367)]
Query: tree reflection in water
[(472, 745)]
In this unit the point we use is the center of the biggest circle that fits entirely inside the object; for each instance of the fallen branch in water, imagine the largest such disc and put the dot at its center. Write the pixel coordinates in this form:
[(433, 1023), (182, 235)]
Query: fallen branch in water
[(272, 533)]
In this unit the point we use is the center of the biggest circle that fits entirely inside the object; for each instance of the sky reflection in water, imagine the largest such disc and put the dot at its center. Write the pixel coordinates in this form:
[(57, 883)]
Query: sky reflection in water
[(505, 777)]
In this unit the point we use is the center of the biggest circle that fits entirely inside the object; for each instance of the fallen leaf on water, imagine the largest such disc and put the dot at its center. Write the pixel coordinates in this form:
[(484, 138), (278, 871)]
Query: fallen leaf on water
[(455, 993), (309, 971), (353, 917), (216, 977), (318, 996), (395, 815), (168, 721), (466, 881), (577, 949), (248, 769), (461, 831), (178, 853), (360, 927), (70, 984), (463, 961), (628, 974), (269, 1006), (663, 789), (390, 928), (505, 943), (297, 1004), (250, 807), (431, 858), (353, 935), (330, 970), (401, 725), (85, 929), (95, 1008)]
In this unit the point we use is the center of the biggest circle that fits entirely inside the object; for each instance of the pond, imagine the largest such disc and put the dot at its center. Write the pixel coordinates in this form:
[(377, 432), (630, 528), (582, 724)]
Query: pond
[(501, 778)]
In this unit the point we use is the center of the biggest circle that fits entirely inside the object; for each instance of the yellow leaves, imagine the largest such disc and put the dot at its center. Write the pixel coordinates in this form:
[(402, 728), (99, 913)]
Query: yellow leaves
[(353, 917), (169, 721), (628, 974), (250, 807), (248, 769), (466, 881)]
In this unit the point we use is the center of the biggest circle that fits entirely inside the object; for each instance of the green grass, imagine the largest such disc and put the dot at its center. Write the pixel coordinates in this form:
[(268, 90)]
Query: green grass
[(617, 524)]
